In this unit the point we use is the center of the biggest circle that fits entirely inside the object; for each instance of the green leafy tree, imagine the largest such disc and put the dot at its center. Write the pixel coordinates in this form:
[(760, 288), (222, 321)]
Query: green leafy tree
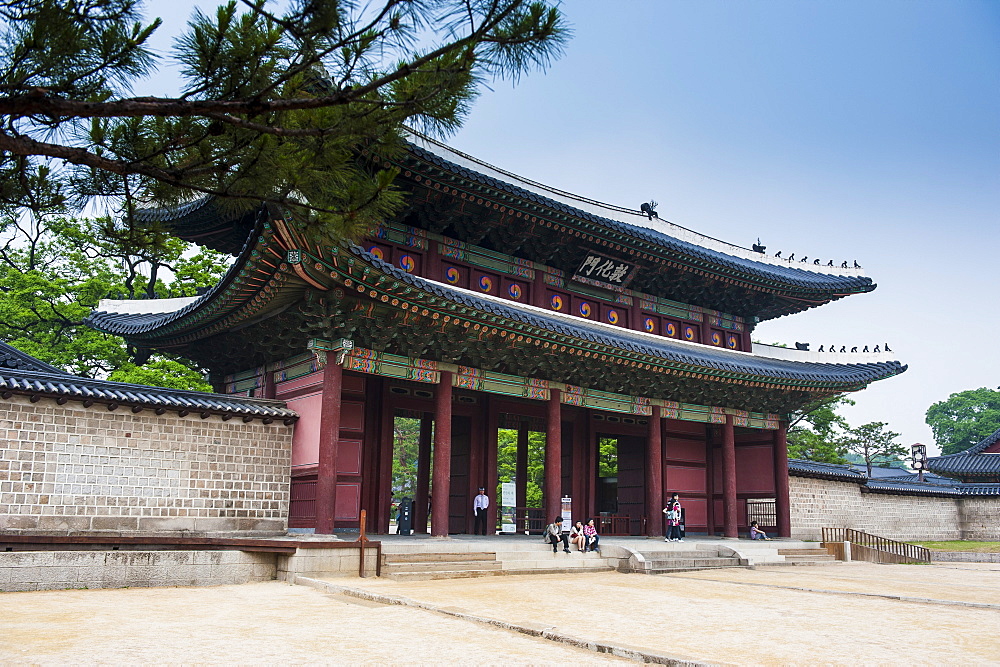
[(874, 443), (507, 463), (405, 456), (295, 103), (55, 270), (817, 432), (964, 419)]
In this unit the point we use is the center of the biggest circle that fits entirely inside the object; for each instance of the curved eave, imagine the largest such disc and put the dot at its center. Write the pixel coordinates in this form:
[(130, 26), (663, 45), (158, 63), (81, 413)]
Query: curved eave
[(230, 306), (205, 221), (774, 276), (669, 352), (253, 288), (138, 397)]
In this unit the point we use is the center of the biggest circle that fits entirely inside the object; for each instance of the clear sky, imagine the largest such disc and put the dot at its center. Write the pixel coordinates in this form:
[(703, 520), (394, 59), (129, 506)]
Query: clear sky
[(854, 129)]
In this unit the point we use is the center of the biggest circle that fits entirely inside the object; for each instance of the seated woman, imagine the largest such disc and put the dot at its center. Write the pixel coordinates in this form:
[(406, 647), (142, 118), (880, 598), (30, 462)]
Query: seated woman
[(576, 536), (590, 533), (756, 533)]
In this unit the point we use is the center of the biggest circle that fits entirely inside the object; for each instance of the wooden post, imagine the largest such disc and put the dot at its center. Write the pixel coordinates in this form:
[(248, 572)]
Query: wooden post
[(492, 418), (654, 476), (729, 477), (423, 474), (782, 507), (710, 478), (553, 457), (329, 442), (441, 488)]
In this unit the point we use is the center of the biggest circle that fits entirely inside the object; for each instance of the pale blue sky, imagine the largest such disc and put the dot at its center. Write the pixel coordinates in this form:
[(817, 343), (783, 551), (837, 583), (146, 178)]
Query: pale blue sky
[(843, 130)]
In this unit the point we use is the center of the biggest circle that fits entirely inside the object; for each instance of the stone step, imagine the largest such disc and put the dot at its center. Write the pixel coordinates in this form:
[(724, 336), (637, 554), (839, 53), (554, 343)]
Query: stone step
[(692, 553), (668, 570), (450, 566), (803, 552), (692, 562), (423, 557), (442, 574), (535, 555), (568, 564)]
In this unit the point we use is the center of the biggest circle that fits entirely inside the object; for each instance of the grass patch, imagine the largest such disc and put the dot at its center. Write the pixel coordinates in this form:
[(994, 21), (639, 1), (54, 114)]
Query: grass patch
[(962, 545)]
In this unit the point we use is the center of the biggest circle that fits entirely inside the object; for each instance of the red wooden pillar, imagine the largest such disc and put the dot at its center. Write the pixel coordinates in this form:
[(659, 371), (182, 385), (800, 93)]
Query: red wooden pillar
[(710, 477), (492, 419), (329, 442), (654, 476), (423, 475), (441, 488), (782, 506), (553, 457), (729, 477), (521, 469)]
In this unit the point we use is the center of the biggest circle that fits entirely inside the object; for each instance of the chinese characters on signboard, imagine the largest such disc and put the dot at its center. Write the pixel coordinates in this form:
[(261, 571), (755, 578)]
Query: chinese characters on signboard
[(604, 271)]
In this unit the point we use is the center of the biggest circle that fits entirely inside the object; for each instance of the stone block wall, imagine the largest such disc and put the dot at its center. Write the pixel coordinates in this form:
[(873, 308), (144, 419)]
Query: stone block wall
[(819, 503), (56, 570), (70, 469), (981, 518)]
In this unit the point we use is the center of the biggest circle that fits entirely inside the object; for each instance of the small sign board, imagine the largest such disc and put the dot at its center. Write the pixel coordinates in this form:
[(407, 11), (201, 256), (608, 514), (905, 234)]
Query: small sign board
[(508, 494), (567, 512), (606, 272)]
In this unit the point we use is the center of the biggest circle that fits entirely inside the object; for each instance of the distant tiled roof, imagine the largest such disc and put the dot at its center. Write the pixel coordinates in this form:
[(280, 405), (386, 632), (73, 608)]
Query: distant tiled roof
[(970, 462), (11, 357), (904, 483), (46, 381)]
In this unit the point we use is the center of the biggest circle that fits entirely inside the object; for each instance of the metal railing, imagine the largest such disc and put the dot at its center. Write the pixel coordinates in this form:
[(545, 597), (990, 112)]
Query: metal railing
[(877, 549)]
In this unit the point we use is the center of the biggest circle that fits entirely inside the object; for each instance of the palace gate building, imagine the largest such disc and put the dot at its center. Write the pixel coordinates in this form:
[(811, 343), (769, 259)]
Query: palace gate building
[(494, 302)]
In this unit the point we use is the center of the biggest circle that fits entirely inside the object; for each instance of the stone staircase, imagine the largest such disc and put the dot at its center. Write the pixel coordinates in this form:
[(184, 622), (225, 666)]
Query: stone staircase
[(425, 561), (807, 556), (686, 558), (422, 566)]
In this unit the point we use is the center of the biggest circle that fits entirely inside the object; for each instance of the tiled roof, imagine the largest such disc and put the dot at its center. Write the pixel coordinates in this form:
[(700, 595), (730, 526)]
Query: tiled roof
[(11, 357), (58, 384), (783, 274), (970, 462), (906, 483), (643, 343)]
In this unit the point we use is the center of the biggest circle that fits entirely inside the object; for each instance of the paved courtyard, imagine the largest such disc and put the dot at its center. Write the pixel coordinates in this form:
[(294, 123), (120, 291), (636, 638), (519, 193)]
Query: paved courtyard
[(838, 614)]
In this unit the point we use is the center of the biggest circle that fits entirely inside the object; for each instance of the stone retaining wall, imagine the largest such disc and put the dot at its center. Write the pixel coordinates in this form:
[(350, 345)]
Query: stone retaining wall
[(70, 469), (54, 570), (819, 503)]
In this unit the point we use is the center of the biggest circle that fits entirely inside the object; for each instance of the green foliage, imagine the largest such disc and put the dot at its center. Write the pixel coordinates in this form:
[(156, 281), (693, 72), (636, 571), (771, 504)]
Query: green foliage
[(816, 432), (607, 457), (874, 443), (295, 103), (507, 463), (405, 456), (161, 373), (964, 419), (55, 270)]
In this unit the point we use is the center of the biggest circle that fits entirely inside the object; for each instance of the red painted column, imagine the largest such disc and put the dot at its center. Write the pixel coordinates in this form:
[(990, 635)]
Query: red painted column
[(710, 477), (729, 477), (329, 442), (492, 420), (423, 475), (553, 458), (654, 476), (441, 487), (782, 506)]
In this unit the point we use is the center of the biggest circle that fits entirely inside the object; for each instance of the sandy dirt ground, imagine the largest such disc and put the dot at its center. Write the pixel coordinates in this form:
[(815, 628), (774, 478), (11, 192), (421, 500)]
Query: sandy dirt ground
[(264, 623), (726, 616), (756, 616)]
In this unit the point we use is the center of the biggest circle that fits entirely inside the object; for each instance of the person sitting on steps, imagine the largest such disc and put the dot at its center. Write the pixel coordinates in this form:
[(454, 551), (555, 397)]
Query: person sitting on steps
[(554, 533), (756, 533), (593, 539), (576, 536)]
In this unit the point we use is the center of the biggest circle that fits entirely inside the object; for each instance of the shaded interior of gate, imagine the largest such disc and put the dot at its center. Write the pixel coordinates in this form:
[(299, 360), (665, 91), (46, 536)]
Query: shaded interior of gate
[(377, 464)]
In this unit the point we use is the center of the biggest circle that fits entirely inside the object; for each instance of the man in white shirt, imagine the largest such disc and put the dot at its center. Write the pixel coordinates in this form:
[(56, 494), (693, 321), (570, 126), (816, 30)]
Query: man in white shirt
[(479, 506)]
